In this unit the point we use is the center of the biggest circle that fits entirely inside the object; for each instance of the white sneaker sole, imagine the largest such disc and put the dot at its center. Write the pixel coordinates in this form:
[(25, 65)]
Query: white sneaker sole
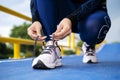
[(40, 64), (90, 59)]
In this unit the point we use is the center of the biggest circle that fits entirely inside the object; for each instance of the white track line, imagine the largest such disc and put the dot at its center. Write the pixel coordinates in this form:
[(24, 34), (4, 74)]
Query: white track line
[(15, 60)]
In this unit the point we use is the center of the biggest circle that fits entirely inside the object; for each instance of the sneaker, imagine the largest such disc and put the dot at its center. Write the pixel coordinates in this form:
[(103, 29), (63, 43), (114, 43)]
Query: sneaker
[(89, 54), (49, 58)]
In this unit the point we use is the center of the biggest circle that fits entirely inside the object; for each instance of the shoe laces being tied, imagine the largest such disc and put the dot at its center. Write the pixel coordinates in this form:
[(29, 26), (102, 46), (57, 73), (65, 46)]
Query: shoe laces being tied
[(46, 49)]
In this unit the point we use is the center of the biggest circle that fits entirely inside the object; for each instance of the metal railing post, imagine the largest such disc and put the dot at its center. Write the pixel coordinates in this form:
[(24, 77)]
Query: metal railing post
[(78, 51), (62, 51), (69, 41), (16, 50), (73, 41)]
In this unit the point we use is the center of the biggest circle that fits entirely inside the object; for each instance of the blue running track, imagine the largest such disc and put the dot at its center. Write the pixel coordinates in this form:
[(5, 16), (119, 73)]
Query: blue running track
[(108, 68)]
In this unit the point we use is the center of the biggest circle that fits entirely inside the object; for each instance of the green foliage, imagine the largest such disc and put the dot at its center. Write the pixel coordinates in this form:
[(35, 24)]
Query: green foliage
[(79, 44), (25, 48), (28, 54), (20, 31), (5, 52), (69, 52), (31, 53)]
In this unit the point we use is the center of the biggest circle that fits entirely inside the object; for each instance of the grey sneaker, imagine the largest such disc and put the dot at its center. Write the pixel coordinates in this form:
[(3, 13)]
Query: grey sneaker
[(49, 58), (89, 54)]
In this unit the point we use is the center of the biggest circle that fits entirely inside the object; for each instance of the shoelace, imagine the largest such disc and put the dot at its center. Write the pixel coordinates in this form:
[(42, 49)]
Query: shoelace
[(35, 44), (90, 50), (45, 50)]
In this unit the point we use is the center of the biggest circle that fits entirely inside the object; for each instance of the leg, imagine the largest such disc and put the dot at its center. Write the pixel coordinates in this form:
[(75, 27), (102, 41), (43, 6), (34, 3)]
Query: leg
[(94, 31), (51, 12), (95, 28)]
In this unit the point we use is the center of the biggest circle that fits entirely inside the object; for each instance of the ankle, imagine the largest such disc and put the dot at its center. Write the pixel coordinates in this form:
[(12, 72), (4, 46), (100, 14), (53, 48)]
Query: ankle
[(50, 42), (87, 45)]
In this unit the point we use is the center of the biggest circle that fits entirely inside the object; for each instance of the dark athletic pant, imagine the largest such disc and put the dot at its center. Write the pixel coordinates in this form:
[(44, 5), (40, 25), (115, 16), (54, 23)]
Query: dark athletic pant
[(92, 29)]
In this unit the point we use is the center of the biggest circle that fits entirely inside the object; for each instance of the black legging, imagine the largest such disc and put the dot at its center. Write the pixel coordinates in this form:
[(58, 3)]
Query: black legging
[(92, 29)]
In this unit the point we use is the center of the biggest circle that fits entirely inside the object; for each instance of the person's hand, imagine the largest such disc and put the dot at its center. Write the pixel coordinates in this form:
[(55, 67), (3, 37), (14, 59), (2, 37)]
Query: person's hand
[(63, 29), (35, 30)]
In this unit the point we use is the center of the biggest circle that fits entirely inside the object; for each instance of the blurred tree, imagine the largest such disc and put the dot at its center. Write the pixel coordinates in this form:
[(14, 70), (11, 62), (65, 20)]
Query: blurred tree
[(69, 52), (20, 31), (5, 51), (79, 44)]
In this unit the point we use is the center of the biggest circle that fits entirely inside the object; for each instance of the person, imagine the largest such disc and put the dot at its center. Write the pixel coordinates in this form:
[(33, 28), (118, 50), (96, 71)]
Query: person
[(58, 18)]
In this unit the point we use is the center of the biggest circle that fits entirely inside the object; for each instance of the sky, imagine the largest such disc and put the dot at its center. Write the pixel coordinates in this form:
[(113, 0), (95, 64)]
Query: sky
[(7, 21), (23, 6)]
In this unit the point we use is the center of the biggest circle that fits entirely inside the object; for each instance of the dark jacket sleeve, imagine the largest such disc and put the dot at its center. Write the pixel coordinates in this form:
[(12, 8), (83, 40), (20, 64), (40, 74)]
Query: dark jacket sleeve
[(84, 10), (34, 12)]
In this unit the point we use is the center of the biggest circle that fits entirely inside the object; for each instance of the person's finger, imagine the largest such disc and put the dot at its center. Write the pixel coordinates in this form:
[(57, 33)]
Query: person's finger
[(38, 30), (33, 36), (42, 38), (30, 33), (29, 28), (59, 28), (61, 36), (64, 31)]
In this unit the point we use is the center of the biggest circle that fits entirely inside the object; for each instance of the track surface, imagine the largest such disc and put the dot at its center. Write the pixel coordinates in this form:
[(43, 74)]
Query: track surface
[(108, 68)]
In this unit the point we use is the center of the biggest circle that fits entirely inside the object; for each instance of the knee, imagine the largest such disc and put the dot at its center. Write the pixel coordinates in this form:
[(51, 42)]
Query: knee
[(96, 28)]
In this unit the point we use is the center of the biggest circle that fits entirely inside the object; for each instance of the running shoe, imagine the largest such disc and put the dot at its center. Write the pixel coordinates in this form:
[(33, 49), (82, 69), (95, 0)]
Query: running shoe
[(50, 57), (89, 54)]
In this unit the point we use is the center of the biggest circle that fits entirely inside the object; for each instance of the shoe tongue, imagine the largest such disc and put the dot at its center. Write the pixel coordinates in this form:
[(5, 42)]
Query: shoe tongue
[(49, 43)]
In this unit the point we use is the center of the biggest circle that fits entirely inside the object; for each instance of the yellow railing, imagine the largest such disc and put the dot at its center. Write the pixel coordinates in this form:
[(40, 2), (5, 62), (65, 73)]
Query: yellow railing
[(17, 42), (12, 12)]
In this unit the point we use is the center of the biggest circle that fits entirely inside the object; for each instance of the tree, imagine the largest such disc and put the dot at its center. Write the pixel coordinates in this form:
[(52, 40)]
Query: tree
[(79, 44), (5, 52), (20, 31)]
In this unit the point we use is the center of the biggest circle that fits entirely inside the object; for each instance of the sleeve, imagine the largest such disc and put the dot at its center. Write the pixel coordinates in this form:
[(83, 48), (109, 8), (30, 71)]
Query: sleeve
[(85, 9), (34, 12)]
